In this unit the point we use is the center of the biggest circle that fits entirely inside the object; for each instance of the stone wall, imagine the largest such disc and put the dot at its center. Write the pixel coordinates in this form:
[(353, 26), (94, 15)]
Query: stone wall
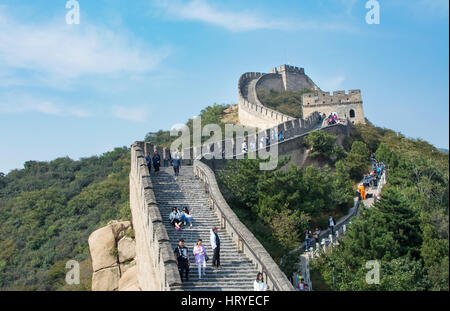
[(251, 111), (294, 78), (293, 147), (156, 267), (290, 128), (244, 239), (346, 105), (298, 153)]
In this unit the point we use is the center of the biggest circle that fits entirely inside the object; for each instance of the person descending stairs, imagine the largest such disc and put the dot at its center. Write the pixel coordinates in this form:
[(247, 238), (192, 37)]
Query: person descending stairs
[(237, 272)]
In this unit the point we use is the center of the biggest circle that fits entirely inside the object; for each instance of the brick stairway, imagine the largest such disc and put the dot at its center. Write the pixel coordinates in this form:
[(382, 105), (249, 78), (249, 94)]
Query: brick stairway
[(238, 272)]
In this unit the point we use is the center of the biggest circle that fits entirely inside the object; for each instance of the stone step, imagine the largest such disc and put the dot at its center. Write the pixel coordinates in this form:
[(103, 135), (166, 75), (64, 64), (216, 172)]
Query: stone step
[(238, 272)]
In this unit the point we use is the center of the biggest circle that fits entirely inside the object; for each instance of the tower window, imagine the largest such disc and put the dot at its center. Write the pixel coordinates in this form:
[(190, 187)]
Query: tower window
[(352, 113)]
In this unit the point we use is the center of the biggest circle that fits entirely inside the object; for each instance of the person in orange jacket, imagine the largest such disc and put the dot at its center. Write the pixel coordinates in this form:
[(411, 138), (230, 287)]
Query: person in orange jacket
[(362, 191)]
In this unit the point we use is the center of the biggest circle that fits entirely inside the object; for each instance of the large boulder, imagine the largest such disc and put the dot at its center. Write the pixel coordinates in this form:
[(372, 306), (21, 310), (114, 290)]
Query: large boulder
[(129, 281), (106, 279), (127, 265), (101, 243), (126, 249), (120, 228)]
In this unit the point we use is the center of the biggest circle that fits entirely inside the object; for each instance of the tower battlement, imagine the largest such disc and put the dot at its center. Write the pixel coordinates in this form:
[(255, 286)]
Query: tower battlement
[(291, 78), (288, 68)]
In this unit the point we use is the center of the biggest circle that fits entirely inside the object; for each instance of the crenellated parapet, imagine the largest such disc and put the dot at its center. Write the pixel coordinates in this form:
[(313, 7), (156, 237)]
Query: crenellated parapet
[(325, 98), (247, 243), (345, 104), (156, 267), (288, 68), (253, 113)]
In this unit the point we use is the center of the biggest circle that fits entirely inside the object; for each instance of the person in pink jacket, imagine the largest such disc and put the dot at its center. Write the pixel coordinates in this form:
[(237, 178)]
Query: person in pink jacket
[(200, 258)]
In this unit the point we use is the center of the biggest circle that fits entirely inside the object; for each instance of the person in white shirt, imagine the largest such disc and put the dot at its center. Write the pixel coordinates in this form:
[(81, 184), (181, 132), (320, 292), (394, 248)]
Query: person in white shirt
[(244, 147), (259, 285), (215, 245), (332, 223), (261, 143)]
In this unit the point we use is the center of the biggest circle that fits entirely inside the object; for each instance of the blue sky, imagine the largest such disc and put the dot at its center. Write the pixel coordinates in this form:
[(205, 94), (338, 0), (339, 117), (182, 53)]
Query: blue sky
[(131, 67)]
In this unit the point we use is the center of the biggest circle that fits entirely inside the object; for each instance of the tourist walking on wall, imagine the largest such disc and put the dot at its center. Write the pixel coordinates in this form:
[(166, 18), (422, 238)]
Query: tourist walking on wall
[(182, 259), (316, 235), (175, 218), (215, 245), (280, 136), (362, 191), (200, 258), (307, 240), (156, 162), (331, 223), (244, 147), (259, 285), (302, 286), (176, 162), (148, 160)]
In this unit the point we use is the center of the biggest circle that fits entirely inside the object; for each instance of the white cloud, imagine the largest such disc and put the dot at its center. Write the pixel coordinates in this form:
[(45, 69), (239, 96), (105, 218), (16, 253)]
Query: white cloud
[(136, 114), (57, 51), (200, 10), (20, 104)]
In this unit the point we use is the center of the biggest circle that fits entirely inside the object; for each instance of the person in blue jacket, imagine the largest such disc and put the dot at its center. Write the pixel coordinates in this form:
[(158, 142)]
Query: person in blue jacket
[(156, 162), (148, 160)]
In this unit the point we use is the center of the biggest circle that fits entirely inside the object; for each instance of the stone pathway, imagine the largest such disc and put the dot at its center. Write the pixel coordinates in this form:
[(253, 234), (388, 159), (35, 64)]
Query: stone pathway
[(238, 272)]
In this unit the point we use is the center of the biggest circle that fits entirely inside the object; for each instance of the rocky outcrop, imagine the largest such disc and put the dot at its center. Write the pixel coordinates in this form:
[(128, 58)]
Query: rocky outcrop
[(101, 244), (106, 279), (129, 281), (127, 249), (113, 250)]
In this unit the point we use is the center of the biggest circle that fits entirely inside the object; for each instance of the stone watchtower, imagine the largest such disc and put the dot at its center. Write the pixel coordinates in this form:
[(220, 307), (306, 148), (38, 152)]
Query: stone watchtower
[(253, 113)]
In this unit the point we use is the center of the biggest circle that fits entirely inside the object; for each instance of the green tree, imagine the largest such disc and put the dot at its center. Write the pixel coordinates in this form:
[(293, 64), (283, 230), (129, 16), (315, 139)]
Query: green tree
[(321, 143), (357, 161)]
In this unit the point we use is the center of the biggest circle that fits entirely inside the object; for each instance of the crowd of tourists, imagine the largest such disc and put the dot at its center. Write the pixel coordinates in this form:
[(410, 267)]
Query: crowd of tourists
[(299, 282), (183, 260), (372, 179), (264, 142), (154, 162), (313, 237), (332, 118), (200, 256)]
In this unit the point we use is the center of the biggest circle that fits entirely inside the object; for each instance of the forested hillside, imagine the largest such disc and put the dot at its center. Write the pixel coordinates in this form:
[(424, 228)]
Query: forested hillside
[(406, 231), (47, 212), (278, 206), (49, 209)]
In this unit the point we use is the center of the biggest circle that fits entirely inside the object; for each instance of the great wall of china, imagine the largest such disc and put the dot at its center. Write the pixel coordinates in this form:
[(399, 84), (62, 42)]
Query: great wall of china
[(152, 197)]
